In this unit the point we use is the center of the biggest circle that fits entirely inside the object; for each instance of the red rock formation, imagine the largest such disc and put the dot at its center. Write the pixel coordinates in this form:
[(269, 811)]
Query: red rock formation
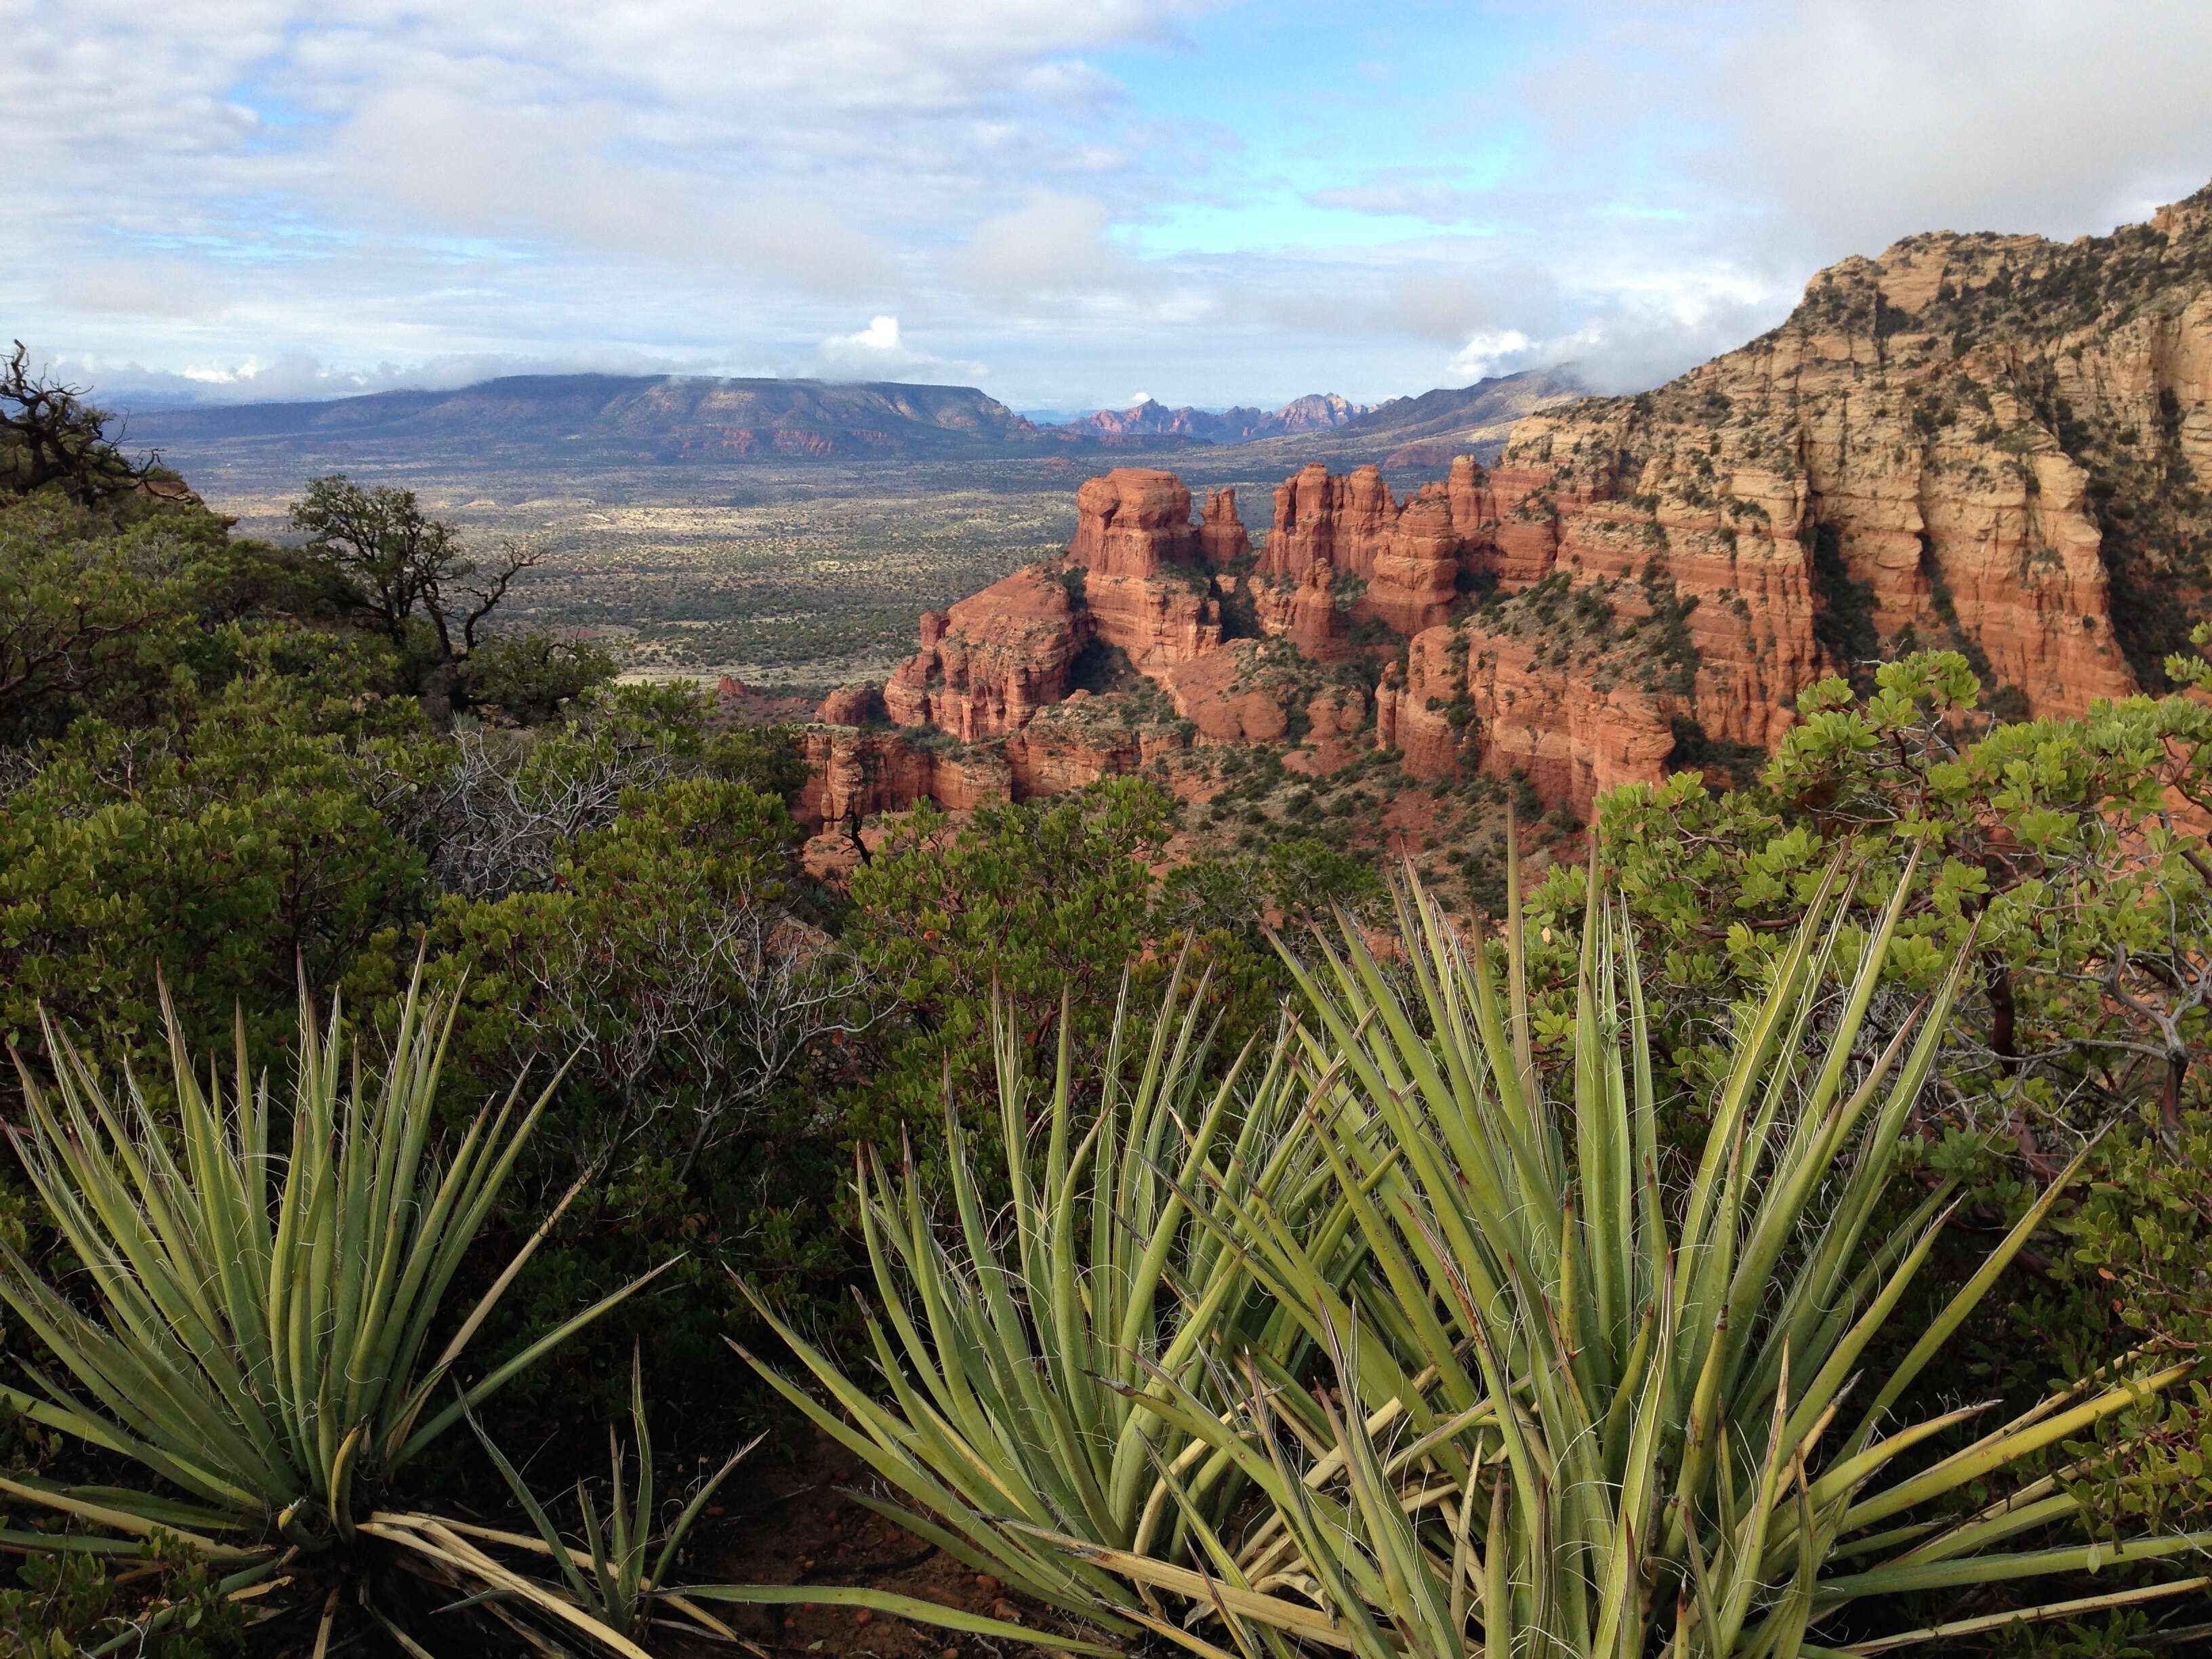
[(1415, 575), (1079, 742), (1229, 698), (1142, 588), (1334, 718), (989, 664), (1132, 521), (1160, 620), (1221, 538), (1343, 520), (1411, 554), (853, 705), (1508, 514), (1304, 613), (1470, 698), (1927, 446), (853, 775), (1572, 736)]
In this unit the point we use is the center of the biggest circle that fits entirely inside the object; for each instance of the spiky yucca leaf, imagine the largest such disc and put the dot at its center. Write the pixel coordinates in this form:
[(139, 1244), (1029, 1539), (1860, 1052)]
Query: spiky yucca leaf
[(1650, 1387), (262, 1286), (622, 1571), (1023, 1360), (1488, 1379)]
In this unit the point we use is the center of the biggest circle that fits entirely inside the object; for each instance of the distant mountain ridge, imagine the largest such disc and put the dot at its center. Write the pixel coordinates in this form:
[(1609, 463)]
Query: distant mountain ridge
[(669, 418), (1317, 411), (1424, 433)]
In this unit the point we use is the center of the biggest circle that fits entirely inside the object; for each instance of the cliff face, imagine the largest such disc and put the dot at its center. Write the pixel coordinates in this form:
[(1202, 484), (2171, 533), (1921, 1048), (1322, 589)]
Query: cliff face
[(1221, 535), (1499, 702), (1305, 612), (1995, 444), (1322, 517), (986, 666), (1992, 444)]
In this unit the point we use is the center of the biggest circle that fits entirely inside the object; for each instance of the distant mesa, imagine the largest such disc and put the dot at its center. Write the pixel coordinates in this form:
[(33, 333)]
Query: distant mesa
[(564, 419)]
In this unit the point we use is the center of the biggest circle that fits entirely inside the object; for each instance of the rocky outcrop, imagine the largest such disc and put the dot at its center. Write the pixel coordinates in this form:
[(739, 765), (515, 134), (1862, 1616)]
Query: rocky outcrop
[(1132, 521), (1142, 588), (1995, 444), (852, 775), (1473, 699), (1305, 612), (1078, 743), (1415, 575), (986, 666), (1336, 716), (1222, 539), (1160, 621), (1230, 698), (1322, 517), (853, 705), (1416, 555)]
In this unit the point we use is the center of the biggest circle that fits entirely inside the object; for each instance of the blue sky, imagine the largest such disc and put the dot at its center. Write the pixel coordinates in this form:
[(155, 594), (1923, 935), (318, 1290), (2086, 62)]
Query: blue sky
[(1066, 203)]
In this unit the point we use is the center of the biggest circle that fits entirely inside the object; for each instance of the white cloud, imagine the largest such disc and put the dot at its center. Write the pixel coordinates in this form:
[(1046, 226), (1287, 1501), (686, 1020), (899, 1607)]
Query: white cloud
[(1492, 351), (881, 352), (296, 195), (1054, 246), (139, 288)]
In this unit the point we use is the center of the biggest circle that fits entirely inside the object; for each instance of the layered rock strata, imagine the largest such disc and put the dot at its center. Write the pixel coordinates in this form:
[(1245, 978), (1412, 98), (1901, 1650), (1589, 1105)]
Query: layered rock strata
[(986, 666), (1222, 538), (1304, 611), (1992, 444)]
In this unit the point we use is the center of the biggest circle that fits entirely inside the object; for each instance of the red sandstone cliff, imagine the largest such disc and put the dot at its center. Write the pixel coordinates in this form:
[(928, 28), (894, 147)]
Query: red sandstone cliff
[(1143, 586), (992, 661), (1993, 444)]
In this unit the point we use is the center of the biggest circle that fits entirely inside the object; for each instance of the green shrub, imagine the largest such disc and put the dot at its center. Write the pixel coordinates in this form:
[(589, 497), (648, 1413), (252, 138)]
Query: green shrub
[(265, 1332)]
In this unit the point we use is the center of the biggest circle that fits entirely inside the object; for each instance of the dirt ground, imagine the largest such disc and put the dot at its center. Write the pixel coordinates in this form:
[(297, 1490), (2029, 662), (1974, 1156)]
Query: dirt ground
[(793, 1525)]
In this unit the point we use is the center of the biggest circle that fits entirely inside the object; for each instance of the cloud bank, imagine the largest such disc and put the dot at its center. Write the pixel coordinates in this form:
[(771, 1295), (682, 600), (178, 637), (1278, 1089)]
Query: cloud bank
[(1225, 202)]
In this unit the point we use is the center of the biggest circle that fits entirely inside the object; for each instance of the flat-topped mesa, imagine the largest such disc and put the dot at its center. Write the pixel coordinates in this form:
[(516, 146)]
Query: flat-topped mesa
[(1132, 521), (987, 665), (1222, 540)]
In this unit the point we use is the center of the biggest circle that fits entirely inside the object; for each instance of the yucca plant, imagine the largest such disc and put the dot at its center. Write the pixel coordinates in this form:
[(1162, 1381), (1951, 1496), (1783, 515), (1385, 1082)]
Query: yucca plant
[(1022, 1356), (620, 1577), (262, 1321), (1638, 1421), (615, 1586), (1495, 1377)]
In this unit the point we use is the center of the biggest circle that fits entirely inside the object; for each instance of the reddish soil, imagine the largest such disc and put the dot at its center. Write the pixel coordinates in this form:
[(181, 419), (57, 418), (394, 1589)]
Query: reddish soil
[(792, 1525)]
